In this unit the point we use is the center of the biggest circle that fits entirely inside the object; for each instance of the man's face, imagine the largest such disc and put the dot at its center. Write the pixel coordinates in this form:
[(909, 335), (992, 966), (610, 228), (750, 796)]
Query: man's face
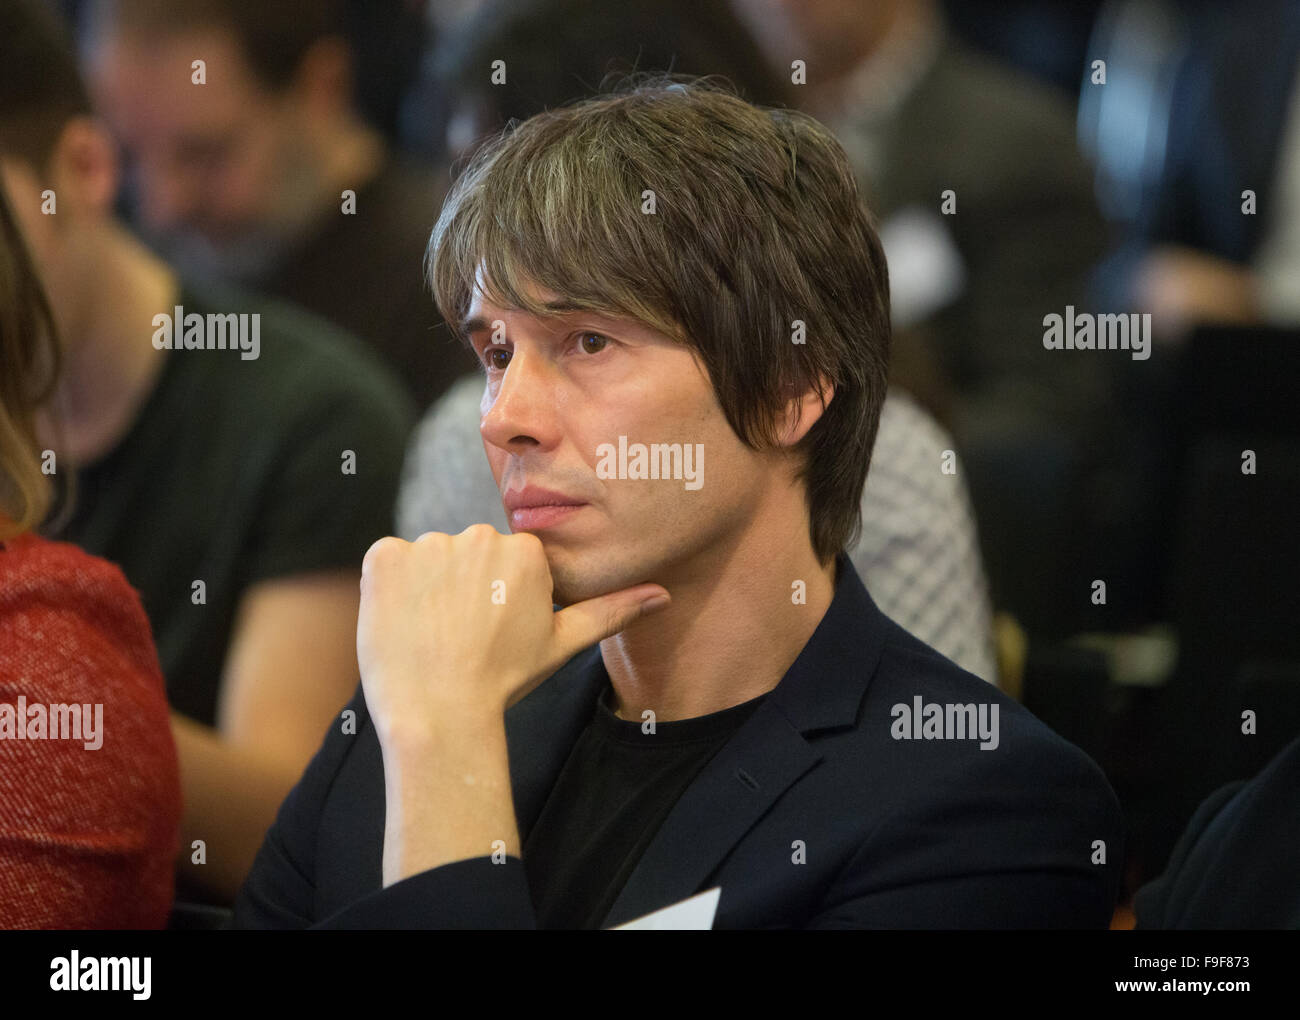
[(560, 387), (213, 164), (833, 35)]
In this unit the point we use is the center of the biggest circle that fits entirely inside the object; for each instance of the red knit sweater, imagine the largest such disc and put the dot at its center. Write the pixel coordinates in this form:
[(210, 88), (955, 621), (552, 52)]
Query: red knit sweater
[(88, 837)]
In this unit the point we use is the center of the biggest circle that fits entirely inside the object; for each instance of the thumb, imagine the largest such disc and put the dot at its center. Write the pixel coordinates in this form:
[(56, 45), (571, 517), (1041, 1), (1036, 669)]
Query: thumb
[(583, 624)]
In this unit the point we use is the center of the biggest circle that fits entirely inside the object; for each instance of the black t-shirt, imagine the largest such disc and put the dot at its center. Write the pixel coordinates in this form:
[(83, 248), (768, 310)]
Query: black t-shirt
[(233, 473), (365, 271), (611, 797)]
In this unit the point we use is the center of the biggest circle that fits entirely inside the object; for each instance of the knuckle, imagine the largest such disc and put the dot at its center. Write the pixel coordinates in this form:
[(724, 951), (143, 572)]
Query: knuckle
[(382, 552), (530, 546)]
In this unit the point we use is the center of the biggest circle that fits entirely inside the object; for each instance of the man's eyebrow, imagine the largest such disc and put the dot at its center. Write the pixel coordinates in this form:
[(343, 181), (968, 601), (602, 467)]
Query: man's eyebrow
[(559, 307)]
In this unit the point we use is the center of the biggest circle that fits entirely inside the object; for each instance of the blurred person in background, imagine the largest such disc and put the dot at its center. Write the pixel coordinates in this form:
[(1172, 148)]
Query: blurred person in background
[(1199, 159), (237, 494), (509, 59), (256, 167), (1196, 142), (1217, 235), (90, 802)]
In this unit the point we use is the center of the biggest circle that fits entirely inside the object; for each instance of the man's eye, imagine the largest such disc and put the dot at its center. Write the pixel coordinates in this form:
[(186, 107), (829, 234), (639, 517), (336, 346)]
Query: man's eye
[(600, 342), (491, 359)]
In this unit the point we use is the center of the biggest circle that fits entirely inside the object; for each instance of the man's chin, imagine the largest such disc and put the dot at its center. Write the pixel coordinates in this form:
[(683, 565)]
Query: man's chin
[(577, 577), (228, 255)]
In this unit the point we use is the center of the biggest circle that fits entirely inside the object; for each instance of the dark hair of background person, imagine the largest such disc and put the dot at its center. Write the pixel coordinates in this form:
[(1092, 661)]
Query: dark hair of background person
[(29, 371), (385, 38), (556, 51), (758, 223), (40, 85)]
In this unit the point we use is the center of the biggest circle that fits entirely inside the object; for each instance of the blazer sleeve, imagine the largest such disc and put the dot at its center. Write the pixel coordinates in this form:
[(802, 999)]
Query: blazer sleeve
[(1006, 900), (474, 893), (1151, 904), (280, 891), (994, 844)]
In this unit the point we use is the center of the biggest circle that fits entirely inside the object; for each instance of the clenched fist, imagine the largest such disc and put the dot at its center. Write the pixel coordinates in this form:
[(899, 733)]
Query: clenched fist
[(463, 624)]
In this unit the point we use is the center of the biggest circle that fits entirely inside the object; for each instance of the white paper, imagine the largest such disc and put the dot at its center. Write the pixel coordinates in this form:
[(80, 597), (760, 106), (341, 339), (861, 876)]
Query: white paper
[(695, 913)]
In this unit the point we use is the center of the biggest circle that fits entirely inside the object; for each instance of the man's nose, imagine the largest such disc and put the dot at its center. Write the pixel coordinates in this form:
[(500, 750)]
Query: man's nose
[(523, 411), (166, 199)]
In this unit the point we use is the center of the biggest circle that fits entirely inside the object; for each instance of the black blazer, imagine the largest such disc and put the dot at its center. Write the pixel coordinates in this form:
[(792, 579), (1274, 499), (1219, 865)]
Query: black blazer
[(1235, 864), (893, 833)]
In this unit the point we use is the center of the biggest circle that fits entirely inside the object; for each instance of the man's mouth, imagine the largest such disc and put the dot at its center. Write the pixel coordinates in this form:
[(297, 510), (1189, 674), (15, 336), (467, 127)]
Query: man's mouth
[(535, 507)]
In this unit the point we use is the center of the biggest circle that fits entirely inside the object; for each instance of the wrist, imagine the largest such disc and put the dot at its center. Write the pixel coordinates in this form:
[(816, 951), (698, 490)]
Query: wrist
[(449, 731)]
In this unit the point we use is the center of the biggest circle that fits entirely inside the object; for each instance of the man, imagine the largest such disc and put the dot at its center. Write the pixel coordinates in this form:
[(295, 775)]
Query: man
[(253, 166), (236, 488), (671, 274)]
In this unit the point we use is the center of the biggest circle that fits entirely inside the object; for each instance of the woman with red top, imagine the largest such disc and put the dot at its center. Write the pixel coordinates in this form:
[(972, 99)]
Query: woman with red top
[(89, 788)]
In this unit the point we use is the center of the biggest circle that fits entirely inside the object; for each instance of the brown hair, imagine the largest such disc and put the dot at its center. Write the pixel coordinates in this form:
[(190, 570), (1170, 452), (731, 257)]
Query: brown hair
[(40, 85), (29, 371), (758, 223)]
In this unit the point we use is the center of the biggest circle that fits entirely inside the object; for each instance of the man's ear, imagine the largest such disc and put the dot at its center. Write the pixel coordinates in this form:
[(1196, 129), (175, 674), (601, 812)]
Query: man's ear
[(84, 169), (803, 411)]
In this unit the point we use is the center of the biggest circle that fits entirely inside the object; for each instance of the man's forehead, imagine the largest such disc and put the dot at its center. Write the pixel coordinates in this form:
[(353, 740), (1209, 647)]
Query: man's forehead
[(481, 303), (483, 307), (483, 313), (480, 300), (558, 307), (129, 67)]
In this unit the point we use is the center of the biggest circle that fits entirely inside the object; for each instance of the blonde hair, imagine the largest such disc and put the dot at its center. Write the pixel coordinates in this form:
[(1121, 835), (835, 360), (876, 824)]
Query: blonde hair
[(29, 371)]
